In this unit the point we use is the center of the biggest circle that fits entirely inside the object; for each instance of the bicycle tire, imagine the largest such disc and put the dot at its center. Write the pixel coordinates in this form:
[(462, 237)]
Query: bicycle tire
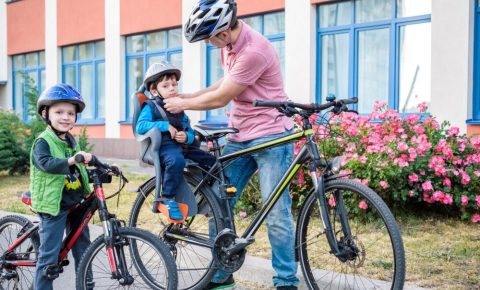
[(151, 279), (26, 275), (380, 263), (195, 265)]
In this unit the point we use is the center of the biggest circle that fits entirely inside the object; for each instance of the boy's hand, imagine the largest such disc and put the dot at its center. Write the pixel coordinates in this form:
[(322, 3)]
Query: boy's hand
[(172, 131), (86, 156), (181, 137)]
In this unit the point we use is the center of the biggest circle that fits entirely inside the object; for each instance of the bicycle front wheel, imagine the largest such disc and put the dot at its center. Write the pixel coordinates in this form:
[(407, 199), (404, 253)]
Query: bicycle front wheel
[(147, 263), (17, 277), (376, 258), (195, 264)]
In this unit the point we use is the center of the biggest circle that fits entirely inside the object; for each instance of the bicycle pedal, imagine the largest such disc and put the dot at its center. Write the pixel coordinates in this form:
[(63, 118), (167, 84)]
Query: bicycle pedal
[(164, 210)]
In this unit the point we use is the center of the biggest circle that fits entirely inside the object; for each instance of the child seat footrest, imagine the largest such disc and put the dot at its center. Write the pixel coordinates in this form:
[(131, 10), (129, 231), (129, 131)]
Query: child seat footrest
[(163, 209)]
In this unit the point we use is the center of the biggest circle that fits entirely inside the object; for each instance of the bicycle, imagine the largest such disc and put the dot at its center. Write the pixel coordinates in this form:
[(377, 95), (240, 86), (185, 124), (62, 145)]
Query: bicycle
[(339, 260), (121, 258)]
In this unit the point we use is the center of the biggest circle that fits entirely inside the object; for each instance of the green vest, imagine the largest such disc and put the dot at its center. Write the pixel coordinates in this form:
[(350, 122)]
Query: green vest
[(47, 188)]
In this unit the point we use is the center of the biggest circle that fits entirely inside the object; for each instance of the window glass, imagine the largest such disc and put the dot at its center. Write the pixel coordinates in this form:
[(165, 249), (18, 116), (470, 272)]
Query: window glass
[(135, 79), (33, 78), (70, 76), (156, 58), (100, 49), (69, 53), (372, 10), (42, 58), (334, 65), (407, 8), (101, 89), (85, 51), (175, 38), (135, 43), (280, 49), (156, 40), (373, 59), (19, 61), (215, 73), (274, 23), (254, 21), (176, 60), (86, 89), (31, 59), (18, 93), (42, 81), (335, 14), (415, 49)]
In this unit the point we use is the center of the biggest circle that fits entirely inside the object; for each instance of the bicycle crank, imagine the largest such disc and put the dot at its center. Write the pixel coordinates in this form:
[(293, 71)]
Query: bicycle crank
[(229, 250)]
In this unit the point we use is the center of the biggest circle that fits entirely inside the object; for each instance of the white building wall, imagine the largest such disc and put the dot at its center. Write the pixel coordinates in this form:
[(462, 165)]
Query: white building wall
[(114, 70), (300, 49), (194, 63), (452, 60), (53, 58), (5, 98)]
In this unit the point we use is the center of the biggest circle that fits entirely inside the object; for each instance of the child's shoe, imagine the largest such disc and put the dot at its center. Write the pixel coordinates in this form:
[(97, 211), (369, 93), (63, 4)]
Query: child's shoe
[(173, 209)]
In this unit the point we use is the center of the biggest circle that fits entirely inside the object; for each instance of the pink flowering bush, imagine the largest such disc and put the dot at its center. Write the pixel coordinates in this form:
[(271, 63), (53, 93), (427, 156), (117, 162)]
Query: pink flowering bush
[(406, 160)]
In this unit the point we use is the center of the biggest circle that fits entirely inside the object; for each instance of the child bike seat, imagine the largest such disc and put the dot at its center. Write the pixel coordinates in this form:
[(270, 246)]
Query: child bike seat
[(150, 144)]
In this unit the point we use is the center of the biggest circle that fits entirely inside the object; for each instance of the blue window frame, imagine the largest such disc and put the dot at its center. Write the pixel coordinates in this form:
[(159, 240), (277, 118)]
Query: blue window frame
[(83, 67), (272, 26), (144, 49), (31, 65), (375, 50), (476, 68)]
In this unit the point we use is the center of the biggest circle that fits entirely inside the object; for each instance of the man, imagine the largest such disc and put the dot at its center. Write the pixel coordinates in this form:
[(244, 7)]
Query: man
[(252, 72)]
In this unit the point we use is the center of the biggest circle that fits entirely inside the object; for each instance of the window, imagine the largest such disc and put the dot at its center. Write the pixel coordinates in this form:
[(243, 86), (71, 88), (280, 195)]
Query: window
[(27, 67), (375, 50), (476, 69), (145, 49), (272, 26), (83, 67)]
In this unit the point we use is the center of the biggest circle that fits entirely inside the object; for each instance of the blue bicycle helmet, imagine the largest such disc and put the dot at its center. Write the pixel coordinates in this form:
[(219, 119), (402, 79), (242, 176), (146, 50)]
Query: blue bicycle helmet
[(209, 18), (60, 93)]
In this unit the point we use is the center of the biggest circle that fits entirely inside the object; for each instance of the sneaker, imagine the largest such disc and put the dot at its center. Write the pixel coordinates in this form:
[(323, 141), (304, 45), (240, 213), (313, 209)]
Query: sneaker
[(287, 287), (227, 284), (173, 209)]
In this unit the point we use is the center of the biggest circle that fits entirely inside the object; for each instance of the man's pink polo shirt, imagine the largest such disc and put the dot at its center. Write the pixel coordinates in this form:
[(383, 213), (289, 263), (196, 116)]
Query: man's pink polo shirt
[(253, 62)]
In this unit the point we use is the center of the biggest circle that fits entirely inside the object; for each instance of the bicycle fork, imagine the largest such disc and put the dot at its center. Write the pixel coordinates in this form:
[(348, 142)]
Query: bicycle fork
[(338, 248)]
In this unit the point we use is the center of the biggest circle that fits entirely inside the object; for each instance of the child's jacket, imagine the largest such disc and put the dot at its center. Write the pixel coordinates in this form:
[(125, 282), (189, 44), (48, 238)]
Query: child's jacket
[(47, 188), (150, 118)]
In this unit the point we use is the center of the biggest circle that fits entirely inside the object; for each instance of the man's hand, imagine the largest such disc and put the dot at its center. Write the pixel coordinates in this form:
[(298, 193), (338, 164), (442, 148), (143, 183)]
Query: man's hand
[(172, 131), (174, 105), (181, 137)]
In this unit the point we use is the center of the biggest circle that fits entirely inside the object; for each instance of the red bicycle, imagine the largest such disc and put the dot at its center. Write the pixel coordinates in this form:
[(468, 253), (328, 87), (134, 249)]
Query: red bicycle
[(121, 258)]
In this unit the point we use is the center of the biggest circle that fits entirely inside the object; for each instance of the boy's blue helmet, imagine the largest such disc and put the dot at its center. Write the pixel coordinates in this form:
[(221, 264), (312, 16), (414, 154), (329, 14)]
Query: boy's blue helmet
[(209, 18), (60, 93)]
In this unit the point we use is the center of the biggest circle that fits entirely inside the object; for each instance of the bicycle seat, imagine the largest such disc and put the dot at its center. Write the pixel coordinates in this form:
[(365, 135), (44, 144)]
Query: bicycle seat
[(213, 132)]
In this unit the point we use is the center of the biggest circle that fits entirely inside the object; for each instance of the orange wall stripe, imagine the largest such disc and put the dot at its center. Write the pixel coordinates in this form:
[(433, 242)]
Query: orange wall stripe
[(25, 26)]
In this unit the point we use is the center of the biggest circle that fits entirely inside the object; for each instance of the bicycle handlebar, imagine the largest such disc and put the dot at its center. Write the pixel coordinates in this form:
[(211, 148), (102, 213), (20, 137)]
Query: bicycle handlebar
[(309, 107), (79, 158)]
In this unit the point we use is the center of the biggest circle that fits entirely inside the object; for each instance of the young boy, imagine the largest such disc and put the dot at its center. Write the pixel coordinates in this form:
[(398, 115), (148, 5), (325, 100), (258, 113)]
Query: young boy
[(161, 79), (56, 181)]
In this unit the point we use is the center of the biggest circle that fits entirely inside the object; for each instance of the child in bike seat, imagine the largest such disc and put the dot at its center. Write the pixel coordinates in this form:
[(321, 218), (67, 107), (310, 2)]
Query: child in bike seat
[(178, 141), (56, 181)]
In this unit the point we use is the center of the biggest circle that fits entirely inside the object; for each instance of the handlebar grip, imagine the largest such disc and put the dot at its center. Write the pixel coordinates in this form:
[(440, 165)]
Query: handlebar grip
[(349, 101), (79, 158), (257, 103)]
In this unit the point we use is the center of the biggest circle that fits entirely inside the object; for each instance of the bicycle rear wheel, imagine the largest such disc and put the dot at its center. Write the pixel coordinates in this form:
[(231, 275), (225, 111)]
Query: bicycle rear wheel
[(378, 259), (148, 262), (19, 277), (195, 264)]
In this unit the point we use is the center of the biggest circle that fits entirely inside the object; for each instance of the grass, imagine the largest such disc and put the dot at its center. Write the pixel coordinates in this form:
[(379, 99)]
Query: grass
[(441, 253)]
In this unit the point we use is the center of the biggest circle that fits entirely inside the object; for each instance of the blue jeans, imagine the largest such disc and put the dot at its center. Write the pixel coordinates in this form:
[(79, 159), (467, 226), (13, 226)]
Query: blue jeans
[(271, 165), (51, 236)]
